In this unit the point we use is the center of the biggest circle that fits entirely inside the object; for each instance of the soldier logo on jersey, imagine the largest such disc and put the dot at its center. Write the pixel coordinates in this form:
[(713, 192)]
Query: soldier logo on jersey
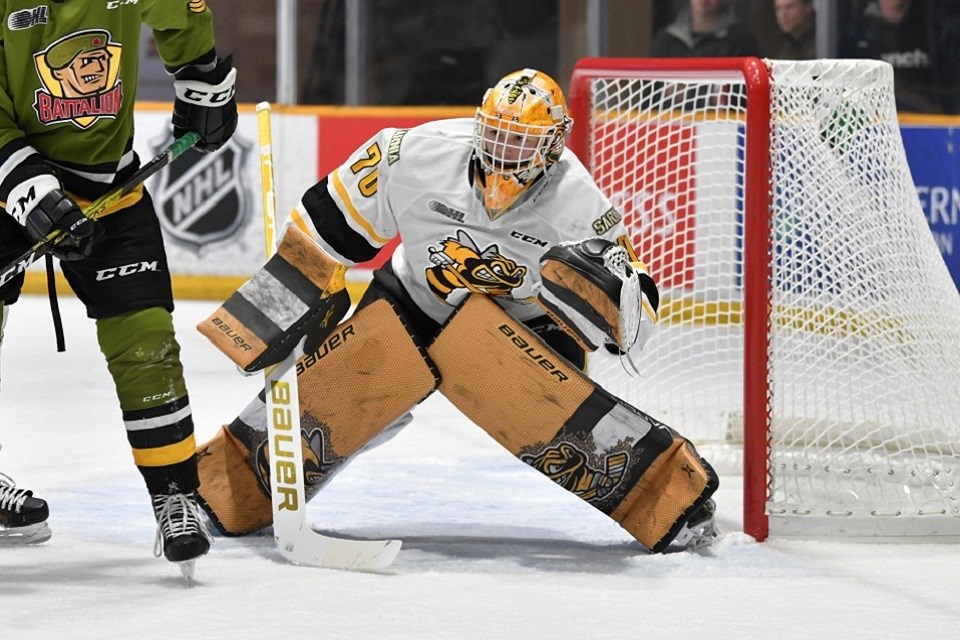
[(315, 465), (80, 79), (461, 264), (569, 467)]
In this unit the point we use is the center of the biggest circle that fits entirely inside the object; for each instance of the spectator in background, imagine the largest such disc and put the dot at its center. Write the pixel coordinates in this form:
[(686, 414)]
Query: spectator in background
[(948, 63), (705, 28), (898, 32), (798, 37)]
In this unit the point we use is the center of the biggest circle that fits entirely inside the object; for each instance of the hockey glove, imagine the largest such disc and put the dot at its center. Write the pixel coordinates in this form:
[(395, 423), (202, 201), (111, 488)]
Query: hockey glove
[(205, 103), (595, 294), (53, 211)]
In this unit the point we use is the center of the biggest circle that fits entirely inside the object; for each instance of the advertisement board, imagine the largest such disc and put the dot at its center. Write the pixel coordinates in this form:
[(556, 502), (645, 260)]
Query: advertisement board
[(209, 205), (932, 156)]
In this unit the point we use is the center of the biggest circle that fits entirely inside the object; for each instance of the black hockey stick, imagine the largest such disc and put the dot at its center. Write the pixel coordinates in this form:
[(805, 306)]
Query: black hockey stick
[(101, 204)]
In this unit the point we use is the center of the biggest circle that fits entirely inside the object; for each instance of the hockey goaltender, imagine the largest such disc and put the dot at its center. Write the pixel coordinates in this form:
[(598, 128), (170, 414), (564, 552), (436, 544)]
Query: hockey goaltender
[(512, 266)]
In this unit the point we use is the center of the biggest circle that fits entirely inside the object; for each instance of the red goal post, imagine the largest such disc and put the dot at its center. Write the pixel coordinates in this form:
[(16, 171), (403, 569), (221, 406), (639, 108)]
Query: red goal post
[(762, 194)]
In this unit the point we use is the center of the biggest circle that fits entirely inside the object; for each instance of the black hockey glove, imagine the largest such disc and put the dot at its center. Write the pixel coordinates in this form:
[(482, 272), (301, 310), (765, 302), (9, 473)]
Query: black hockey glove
[(205, 103), (57, 211)]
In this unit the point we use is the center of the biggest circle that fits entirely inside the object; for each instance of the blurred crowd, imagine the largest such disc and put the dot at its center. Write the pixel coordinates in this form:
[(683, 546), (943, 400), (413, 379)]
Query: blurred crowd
[(917, 37), (446, 52)]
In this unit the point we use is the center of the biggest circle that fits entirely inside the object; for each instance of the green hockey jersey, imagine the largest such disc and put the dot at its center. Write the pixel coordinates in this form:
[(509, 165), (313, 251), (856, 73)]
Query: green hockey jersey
[(69, 79)]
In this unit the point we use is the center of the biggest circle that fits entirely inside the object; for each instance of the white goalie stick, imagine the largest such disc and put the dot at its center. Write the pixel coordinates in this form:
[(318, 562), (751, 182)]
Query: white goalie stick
[(297, 542)]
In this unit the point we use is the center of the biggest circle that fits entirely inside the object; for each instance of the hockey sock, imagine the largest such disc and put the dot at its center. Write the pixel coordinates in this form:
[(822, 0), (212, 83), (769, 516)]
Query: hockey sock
[(143, 357)]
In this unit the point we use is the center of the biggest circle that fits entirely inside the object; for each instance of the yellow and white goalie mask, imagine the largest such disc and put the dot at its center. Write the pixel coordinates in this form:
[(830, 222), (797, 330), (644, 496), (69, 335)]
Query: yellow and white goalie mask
[(520, 131)]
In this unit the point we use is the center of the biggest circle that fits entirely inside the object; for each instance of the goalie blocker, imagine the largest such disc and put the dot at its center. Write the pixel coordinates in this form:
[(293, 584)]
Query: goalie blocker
[(299, 290), (623, 462)]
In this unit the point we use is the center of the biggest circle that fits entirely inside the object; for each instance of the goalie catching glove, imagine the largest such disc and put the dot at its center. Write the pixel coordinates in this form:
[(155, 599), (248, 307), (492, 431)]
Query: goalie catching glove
[(597, 295)]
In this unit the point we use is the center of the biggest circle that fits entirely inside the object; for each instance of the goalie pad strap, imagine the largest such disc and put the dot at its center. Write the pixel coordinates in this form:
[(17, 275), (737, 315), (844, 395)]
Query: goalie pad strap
[(614, 456), (369, 372), (299, 290)]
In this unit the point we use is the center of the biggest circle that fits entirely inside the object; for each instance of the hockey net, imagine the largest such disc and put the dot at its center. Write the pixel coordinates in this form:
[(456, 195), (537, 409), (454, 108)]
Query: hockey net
[(810, 330)]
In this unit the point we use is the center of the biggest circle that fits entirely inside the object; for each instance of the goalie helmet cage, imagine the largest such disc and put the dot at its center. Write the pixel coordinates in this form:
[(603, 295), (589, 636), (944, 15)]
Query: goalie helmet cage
[(809, 328)]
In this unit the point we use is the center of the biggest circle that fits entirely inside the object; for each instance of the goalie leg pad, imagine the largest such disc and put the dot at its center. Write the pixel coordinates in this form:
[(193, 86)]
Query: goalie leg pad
[(620, 460), (230, 492), (299, 290), (363, 378)]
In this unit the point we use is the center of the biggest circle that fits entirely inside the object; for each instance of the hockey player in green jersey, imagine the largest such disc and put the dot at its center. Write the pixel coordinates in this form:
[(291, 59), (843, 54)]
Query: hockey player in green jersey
[(68, 70)]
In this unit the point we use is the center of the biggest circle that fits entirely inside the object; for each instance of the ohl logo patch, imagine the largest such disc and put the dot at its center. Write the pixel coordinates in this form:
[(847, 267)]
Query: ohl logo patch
[(201, 200), (80, 79)]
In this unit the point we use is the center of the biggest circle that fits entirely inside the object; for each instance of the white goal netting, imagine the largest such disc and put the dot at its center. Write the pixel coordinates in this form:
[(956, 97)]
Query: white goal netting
[(863, 383)]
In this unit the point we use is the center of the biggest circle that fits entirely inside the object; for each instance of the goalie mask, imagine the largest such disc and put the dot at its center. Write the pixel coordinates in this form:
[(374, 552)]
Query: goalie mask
[(520, 131)]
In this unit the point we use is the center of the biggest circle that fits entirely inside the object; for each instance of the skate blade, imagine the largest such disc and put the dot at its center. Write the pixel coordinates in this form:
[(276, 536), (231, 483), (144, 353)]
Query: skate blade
[(31, 534), (186, 568)]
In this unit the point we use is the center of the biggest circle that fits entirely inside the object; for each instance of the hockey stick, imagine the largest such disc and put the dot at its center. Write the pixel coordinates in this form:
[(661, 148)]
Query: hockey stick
[(97, 208), (297, 542)]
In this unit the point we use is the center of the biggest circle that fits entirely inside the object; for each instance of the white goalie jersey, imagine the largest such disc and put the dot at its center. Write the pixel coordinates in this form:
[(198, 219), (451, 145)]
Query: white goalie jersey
[(417, 183)]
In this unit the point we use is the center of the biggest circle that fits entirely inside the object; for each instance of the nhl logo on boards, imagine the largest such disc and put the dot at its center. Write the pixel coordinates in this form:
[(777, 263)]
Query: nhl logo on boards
[(202, 200)]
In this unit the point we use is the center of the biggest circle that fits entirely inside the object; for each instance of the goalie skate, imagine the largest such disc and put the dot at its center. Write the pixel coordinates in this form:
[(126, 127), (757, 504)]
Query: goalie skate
[(23, 518), (699, 532)]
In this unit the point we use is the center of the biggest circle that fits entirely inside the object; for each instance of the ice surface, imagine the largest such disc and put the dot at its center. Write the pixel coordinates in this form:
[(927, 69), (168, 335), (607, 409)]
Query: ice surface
[(491, 549)]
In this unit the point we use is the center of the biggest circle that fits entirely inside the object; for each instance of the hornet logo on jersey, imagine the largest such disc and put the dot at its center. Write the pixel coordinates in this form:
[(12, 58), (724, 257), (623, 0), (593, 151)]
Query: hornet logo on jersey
[(203, 200), (80, 79), (461, 264), (569, 467)]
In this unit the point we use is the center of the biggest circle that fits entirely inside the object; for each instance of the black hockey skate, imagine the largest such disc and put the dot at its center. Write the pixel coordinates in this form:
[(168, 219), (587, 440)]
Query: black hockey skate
[(23, 518), (181, 536), (699, 532)]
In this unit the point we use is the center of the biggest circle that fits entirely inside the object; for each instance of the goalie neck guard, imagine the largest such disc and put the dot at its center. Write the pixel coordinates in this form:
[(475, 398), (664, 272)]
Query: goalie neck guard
[(519, 132)]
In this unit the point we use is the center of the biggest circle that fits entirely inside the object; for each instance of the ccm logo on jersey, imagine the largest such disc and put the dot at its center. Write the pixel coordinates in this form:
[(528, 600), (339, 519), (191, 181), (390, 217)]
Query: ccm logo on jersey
[(526, 238), (126, 270), (531, 351)]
